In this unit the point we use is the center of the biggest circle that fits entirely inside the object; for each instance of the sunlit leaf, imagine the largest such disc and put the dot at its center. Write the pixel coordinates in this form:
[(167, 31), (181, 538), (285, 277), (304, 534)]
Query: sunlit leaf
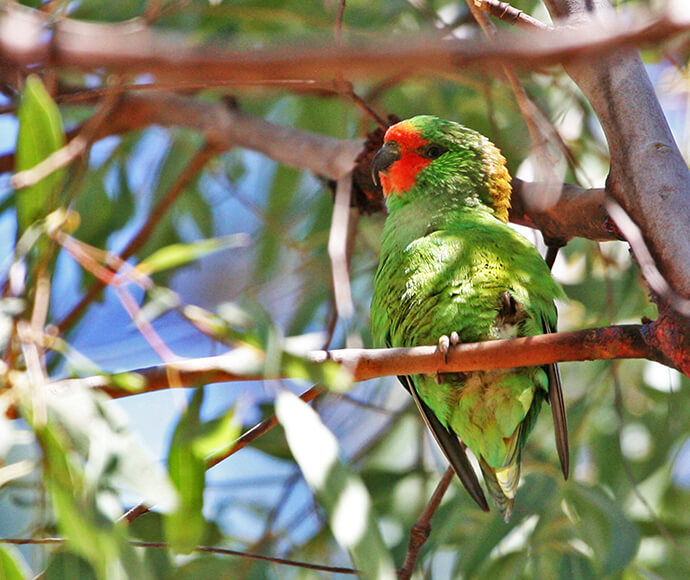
[(178, 255), (40, 134), (341, 492), (194, 444), (12, 564)]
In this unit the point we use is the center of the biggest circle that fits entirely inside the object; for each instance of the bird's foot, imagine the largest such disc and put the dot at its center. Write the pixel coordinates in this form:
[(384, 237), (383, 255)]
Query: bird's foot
[(444, 344)]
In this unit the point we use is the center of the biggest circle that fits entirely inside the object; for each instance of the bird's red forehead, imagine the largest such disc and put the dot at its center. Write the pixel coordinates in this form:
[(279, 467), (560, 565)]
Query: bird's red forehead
[(406, 135), (402, 175)]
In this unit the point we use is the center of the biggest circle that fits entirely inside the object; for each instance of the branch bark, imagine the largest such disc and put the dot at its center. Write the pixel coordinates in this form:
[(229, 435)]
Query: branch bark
[(648, 175), (611, 342), (578, 212), (133, 47)]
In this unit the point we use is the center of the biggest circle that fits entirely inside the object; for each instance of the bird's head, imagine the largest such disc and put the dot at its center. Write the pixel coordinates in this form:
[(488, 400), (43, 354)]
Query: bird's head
[(426, 155)]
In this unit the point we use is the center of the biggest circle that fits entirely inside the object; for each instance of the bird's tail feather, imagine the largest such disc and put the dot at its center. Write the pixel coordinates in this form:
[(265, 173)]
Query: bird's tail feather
[(502, 482), (495, 480)]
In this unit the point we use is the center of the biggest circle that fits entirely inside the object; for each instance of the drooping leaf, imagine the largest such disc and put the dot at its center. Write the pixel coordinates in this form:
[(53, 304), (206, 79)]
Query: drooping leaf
[(12, 564), (87, 455), (603, 525), (65, 565), (194, 444), (40, 135), (574, 565), (343, 495), (208, 566), (177, 255)]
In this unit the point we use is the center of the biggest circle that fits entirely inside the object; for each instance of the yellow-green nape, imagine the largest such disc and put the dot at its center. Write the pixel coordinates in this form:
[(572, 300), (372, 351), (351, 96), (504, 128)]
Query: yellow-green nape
[(500, 189), (496, 175)]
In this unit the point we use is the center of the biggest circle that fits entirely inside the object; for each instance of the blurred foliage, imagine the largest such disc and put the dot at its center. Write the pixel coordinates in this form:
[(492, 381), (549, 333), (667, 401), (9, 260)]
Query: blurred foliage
[(240, 259)]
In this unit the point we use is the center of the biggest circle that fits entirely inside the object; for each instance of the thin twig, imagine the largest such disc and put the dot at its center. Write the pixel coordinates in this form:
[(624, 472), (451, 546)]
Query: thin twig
[(648, 266), (133, 513), (195, 165), (259, 429), (209, 549), (368, 109), (540, 130), (338, 28), (422, 527), (504, 11)]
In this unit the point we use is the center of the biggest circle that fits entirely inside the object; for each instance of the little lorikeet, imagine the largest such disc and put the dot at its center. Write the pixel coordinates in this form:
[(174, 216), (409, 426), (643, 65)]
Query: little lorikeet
[(452, 271)]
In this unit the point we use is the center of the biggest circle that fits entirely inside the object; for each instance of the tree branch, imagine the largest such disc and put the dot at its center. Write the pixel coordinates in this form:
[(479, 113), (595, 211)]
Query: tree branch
[(134, 47), (422, 527), (648, 177), (578, 212), (610, 342)]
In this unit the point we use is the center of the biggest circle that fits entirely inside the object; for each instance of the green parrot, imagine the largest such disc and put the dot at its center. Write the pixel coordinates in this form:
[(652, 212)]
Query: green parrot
[(452, 271)]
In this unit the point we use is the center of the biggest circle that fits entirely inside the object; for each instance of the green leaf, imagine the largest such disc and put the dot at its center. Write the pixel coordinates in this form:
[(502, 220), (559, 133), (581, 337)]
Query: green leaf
[(40, 135), (66, 565), (603, 525), (509, 567), (208, 566), (12, 564), (574, 565), (177, 255), (260, 348), (87, 455), (340, 492), (534, 496), (150, 527), (194, 444)]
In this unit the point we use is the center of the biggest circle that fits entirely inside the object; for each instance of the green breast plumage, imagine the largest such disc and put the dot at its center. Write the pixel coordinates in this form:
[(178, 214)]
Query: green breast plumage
[(436, 278)]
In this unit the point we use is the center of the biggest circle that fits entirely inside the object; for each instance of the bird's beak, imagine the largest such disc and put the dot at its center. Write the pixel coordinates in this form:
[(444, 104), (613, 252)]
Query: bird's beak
[(384, 158)]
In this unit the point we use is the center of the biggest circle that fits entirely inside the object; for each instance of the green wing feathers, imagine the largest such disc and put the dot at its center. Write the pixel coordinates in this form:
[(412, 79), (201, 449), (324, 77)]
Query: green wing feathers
[(457, 279), (449, 263)]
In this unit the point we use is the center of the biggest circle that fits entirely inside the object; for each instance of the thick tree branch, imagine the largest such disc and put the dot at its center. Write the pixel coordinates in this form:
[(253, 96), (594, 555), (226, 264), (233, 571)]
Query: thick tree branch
[(578, 212), (134, 47), (611, 342), (648, 177)]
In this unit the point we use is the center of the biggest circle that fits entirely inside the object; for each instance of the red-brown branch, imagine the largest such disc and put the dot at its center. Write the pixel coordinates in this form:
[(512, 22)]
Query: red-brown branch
[(134, 47), (610, 342), (422, 527), (578, 212)]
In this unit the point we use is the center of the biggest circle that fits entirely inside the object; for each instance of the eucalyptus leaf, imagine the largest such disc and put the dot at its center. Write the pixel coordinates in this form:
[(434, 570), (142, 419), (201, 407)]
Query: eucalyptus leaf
[(341, 493), (194, 444), (603, 525), (12, 564), (40, 135), (177, 255)]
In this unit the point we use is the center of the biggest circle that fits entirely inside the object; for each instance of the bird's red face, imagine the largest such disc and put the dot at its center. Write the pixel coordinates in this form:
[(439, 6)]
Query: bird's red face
[(401, 158)]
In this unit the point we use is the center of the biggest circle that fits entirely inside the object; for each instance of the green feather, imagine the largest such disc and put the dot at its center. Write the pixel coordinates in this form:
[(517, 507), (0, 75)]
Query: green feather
[(446, 263)]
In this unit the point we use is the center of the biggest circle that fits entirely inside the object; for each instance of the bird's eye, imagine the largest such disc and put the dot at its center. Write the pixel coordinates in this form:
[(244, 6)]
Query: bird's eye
[(433, 151)]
